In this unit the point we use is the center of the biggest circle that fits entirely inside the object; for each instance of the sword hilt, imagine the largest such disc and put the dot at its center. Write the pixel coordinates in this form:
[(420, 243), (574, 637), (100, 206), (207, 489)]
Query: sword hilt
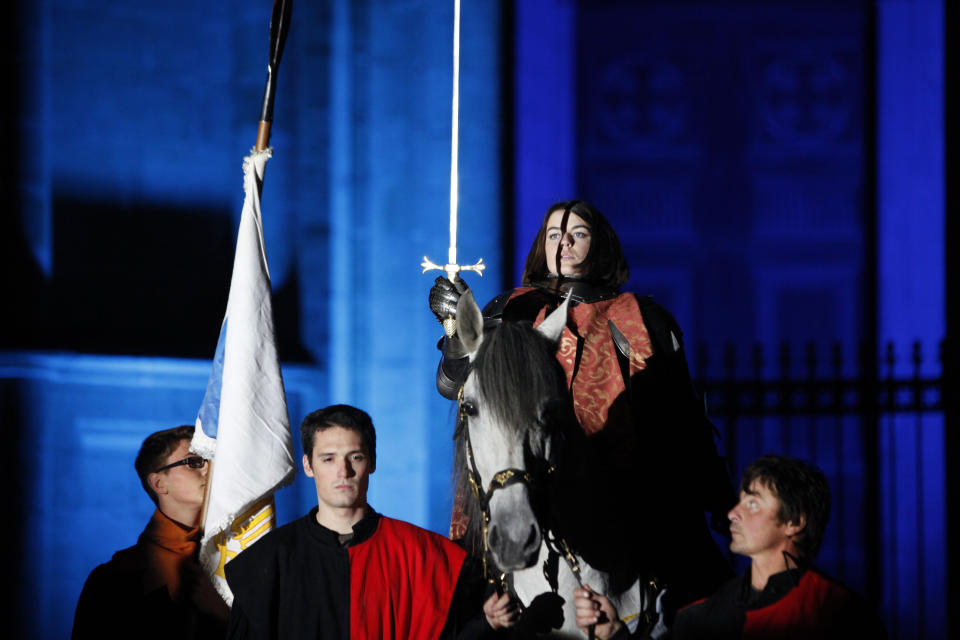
[(450, 324), (452, 269)]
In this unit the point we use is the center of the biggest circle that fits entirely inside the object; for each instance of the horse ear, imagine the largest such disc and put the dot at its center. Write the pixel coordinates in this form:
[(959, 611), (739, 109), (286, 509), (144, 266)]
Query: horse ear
[(469, 323), (553, 324)]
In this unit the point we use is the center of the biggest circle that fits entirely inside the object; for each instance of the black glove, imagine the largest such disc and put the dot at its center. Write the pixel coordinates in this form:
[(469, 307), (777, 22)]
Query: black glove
[(444, 296)]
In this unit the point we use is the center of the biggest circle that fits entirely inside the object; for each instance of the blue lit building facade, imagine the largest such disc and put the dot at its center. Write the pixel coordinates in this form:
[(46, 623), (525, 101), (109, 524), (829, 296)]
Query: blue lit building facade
[(776, 172)]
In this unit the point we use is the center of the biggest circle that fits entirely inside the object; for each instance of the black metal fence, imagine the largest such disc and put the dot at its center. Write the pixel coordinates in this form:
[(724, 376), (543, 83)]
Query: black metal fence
[(823, 386)]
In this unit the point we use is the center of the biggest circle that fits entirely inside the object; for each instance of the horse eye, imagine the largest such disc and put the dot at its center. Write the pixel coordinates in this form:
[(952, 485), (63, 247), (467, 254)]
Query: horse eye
[(469, 408)]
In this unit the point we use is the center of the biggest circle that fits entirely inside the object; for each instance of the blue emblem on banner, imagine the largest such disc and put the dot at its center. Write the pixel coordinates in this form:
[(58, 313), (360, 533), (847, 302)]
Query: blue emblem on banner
[(209, 415)]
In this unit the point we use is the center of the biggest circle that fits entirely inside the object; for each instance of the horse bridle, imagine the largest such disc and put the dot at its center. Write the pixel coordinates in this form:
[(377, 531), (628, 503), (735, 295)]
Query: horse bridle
[(500, 480), (557, 546)]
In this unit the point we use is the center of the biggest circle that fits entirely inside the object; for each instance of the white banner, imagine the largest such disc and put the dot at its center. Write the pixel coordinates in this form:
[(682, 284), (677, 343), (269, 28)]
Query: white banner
[(243, 423)]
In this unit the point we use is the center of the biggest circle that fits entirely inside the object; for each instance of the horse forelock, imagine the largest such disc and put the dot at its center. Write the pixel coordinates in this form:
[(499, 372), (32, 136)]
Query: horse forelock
[(516, 374)]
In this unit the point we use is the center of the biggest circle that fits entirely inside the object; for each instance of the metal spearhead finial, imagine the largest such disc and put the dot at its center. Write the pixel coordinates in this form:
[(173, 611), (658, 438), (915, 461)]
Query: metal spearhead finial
[(279, 27)]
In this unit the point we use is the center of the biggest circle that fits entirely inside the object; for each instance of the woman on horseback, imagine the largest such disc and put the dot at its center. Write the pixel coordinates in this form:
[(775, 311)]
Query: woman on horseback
[(651, 444)]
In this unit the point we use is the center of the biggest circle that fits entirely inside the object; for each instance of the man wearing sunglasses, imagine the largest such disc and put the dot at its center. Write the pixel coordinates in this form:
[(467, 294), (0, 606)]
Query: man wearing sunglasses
[(155, 589)]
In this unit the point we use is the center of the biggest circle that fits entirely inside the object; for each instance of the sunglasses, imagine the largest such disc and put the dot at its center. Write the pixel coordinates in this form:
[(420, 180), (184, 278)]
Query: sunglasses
[(194, 462)]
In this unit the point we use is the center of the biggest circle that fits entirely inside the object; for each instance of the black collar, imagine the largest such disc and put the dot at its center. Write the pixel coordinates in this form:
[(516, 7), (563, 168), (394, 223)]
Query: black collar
[(362, 530), (777, 586)]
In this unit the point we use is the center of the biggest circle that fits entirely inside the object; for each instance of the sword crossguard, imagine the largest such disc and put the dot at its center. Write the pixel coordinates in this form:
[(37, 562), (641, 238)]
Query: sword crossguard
[(452, 269), (450, 324)]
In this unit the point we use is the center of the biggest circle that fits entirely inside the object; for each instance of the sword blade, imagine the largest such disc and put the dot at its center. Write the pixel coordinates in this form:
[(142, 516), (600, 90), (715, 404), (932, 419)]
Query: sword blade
[(454, 139), (452, 268)]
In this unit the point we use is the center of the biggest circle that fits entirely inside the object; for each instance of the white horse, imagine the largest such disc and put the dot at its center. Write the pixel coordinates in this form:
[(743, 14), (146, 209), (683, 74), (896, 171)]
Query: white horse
[(515, 418)]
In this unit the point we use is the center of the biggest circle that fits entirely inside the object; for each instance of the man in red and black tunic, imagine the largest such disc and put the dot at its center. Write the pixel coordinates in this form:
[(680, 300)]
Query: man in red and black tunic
[(779, 524), (344, 570)]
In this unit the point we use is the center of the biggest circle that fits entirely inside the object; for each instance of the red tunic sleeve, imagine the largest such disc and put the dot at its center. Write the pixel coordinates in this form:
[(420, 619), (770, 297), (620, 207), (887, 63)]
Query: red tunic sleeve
[(401, 582)]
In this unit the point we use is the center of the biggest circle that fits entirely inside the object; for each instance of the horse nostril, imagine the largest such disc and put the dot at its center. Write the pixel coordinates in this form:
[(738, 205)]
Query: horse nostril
[(532, 538), (493, 536)]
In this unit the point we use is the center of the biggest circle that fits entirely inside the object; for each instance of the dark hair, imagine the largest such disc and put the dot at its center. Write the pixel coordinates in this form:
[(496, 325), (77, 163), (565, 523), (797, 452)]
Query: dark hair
[(604, 265), (154, 453), (346, 417), (802, 490)]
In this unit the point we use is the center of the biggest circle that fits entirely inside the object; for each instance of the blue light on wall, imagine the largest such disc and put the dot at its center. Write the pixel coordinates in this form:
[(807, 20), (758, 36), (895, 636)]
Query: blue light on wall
[(911, 302)]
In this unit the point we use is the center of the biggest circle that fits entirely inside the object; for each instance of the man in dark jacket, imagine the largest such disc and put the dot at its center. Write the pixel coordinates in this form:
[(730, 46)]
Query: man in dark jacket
[(156, 589)]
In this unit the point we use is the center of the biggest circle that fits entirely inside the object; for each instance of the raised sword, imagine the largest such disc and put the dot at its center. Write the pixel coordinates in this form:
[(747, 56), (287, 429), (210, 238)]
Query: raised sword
[(452, 268)]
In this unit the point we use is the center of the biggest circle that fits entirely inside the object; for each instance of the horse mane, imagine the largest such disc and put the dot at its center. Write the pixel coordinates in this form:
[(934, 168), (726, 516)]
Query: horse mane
[(516, 371), (522, 384)]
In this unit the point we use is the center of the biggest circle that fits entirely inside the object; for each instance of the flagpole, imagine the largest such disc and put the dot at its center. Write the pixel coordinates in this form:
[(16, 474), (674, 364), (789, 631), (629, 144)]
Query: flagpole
[(279, 27)]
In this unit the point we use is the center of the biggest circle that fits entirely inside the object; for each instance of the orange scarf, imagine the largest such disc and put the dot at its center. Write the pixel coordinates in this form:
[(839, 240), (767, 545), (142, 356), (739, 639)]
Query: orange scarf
[(168, 547)]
